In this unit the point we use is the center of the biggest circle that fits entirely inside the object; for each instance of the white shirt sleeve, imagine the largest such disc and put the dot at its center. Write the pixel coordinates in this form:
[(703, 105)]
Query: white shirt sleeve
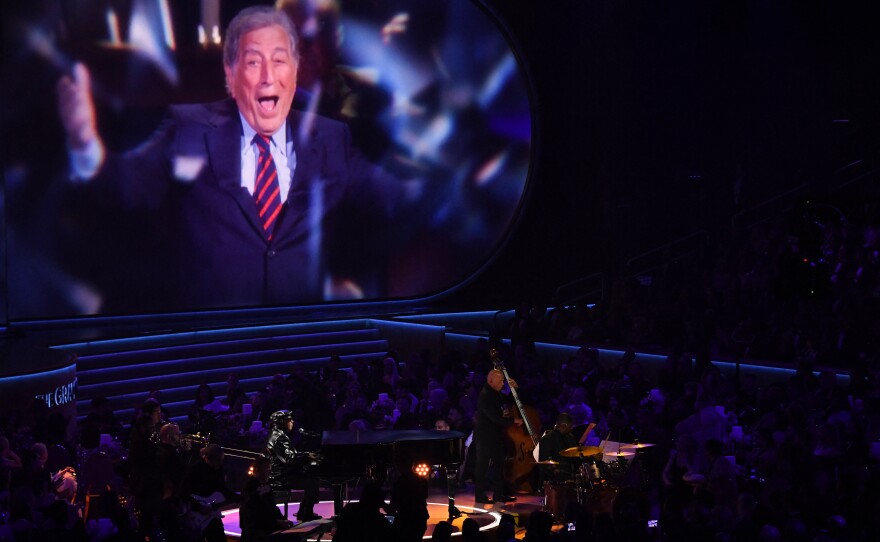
[(85, 162)]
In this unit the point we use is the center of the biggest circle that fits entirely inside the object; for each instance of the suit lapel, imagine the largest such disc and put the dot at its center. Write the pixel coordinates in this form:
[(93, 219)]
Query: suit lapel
[(300, 197), (224, 153)]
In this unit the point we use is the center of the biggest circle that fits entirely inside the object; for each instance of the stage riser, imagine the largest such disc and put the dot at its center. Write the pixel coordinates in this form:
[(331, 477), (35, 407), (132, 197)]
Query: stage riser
[(158, 354), (126, 371), (213, 363)]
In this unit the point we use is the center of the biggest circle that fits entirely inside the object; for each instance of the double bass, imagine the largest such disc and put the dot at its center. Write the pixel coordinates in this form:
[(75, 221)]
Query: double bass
[(520, 471)]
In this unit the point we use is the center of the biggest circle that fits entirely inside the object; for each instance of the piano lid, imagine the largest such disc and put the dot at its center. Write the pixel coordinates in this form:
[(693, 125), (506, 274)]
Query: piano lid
[(382, 436)]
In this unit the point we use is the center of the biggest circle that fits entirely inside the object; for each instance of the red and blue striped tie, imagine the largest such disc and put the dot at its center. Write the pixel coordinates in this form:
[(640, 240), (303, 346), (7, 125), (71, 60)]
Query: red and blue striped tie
[(267, 191)]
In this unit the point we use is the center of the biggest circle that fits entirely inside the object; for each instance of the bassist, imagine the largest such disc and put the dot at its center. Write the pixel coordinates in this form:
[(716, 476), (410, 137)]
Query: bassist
[(493, 416)]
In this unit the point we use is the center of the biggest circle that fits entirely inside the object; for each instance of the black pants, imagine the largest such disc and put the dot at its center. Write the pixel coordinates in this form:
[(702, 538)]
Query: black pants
[(489, 461), (310, 496), (308, 484)]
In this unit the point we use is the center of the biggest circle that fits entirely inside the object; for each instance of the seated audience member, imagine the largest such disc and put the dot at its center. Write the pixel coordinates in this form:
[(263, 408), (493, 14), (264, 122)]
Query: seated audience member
[(720, 475), (506, 529), (102, 418), (235, 396), (745, 527), (89, 437), (456, 420), (467, 401), (9, 463), (64, 484), (276, 395), (580, 419), (683, 459), (409, 501), (577, 402), (406, 418), (539, 528), (441, 425), (443, 532), (577, 524), (33, 473), (436, 406), (363, 520), (470, 531), (704, 424), (352, 407), (630, 511), (202, 419)]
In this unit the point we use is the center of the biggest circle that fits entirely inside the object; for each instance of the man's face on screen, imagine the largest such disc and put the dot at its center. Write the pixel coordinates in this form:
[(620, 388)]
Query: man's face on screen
[(263, 79)]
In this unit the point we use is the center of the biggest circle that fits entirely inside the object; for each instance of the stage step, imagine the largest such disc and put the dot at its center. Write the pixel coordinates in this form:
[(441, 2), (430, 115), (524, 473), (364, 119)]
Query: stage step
[(127, 370)]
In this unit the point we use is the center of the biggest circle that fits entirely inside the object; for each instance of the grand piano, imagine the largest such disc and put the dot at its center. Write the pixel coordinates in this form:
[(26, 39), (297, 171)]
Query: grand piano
[(349, 455)]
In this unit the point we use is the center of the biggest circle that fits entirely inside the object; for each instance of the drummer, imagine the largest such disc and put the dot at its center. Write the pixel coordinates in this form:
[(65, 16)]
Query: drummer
[(554, 441)]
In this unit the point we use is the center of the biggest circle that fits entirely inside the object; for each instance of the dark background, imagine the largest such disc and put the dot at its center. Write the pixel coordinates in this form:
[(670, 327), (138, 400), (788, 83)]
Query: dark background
[(648, 113)]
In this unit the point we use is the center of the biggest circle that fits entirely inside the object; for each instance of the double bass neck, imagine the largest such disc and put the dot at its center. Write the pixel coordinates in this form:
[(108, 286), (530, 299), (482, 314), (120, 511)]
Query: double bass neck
[(522, 412)]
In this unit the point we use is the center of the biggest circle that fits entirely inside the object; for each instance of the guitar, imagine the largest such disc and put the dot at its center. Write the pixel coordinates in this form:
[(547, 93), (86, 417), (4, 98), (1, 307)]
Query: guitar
[(214, 500), (207, 510)]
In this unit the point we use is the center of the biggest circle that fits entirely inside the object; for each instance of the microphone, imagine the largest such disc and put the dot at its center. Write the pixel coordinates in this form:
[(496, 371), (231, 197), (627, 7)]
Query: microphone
[(307, 433)]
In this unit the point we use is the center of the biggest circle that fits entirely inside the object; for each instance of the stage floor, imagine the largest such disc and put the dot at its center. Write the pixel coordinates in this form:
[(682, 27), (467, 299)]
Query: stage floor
[(487, 516)]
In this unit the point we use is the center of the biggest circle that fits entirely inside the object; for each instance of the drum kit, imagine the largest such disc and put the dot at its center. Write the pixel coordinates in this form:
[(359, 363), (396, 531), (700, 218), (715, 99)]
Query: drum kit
[(588, 475)]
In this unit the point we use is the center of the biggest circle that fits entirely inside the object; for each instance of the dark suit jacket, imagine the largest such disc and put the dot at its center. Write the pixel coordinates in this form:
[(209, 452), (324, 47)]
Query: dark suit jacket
[(491, 422), (189, 173)]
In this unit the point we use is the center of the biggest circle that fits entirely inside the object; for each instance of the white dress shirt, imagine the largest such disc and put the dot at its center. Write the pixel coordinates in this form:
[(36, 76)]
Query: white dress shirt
[(282, 153)]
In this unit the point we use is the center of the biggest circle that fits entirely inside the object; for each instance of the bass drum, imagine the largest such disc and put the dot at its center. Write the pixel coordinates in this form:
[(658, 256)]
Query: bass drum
[(600, 500), (558, 496)]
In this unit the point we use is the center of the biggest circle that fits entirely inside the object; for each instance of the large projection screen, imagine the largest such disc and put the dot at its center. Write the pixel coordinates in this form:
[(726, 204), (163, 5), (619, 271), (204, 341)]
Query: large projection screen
[(429, 94)]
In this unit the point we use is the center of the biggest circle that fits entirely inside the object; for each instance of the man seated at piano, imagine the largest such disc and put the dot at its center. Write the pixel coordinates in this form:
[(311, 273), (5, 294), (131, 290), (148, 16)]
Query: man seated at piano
[(288, 466)]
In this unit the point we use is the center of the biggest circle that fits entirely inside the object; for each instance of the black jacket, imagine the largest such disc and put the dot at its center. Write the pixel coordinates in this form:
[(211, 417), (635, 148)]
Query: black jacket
[(284, 461)]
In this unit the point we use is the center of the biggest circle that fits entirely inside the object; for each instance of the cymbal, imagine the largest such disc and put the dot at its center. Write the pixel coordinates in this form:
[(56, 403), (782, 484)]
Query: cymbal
[(581, 451), (620, 454), (636, 446), (547, 462)]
